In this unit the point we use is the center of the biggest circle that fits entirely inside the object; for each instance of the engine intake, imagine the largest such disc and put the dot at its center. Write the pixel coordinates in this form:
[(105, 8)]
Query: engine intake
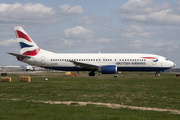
[(108, 69)]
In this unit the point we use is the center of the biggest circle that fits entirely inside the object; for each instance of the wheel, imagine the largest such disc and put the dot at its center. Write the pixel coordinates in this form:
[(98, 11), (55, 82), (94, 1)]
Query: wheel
[(91, 74), (156, 74)]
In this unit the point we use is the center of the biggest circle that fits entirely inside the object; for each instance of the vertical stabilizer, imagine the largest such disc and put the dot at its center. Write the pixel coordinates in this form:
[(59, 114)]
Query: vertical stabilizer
[(27, 45)]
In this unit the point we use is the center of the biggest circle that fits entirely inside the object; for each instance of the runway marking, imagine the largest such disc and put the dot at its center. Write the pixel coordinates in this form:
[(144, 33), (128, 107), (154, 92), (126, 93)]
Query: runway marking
[(111, 105)]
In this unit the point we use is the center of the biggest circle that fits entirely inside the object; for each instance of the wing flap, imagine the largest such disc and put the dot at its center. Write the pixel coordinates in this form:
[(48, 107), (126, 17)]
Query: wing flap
[(85, 65)]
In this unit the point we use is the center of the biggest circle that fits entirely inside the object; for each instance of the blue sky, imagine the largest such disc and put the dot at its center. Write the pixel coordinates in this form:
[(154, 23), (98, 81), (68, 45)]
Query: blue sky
[(109, 26)]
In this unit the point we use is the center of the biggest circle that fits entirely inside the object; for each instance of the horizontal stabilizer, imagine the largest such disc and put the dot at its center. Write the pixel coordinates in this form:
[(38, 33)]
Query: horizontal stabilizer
[(18, 55)]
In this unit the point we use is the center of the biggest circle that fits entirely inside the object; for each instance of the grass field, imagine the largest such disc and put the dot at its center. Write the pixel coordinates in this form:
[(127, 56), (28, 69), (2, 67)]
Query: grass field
[(134, 93)]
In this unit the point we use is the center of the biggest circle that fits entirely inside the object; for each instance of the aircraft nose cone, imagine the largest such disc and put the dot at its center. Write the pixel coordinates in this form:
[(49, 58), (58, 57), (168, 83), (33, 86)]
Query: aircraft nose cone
[(174, 64)]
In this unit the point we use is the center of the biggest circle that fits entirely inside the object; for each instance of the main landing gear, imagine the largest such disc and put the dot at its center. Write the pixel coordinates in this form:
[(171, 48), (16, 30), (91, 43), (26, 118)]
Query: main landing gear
[(92, 73), (156, 74)]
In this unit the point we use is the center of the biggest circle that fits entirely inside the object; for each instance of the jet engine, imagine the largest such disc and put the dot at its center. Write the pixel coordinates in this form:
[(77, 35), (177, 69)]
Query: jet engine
[(108, 69)]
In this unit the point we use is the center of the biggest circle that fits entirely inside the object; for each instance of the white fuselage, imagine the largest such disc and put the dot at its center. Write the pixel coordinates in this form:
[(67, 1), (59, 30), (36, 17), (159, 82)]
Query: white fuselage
[(123, 61), (106, 63)]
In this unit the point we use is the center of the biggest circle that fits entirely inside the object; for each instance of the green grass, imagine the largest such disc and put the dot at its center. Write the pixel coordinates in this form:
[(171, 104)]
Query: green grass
[(132, 89), (28, 110)]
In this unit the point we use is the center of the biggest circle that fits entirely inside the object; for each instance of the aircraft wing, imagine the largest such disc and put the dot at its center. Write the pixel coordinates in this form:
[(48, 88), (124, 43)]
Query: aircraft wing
[(18, 55), (85, 65)]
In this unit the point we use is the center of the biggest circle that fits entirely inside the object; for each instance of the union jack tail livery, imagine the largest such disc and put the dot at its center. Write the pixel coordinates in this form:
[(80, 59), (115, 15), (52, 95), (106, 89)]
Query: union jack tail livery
[(27, 45)]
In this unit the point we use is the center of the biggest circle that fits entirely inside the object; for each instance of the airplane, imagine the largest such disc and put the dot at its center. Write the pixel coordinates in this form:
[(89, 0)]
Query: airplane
[(105, 63)]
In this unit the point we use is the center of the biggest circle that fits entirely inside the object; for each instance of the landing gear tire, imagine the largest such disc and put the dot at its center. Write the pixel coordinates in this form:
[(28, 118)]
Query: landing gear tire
[(91, 74), (156, 74)]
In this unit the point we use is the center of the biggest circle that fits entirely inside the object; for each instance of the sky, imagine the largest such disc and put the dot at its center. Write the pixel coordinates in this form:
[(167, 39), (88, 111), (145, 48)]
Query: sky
[(81, 26)]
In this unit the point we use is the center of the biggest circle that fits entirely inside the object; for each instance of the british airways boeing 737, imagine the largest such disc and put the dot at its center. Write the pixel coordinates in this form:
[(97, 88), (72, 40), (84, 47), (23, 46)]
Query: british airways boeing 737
[(106, 63)]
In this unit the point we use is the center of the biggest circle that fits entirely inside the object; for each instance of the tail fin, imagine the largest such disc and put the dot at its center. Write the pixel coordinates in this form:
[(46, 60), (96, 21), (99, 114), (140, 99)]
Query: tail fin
[(27, 45)]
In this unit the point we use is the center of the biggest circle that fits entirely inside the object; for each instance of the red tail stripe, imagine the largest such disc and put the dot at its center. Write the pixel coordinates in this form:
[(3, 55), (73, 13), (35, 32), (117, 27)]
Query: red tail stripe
[(149, 57), (32, 53), (19, 34)]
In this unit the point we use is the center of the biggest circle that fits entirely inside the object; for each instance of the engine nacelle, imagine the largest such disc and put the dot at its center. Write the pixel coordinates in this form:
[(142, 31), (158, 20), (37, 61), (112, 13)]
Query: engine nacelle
[(108, 69)]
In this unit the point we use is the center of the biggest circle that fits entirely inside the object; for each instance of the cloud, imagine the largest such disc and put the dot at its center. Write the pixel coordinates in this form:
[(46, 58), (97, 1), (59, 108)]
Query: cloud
[(34, 14), (87, 20), (77, 32), (168, 46), (67, 9), (103, 40), (100, 40), (131, 31), (67, 42), (136, 44), (164, 17), (29, 13), (141, 7), (149, 13), (178, 2), (8, 42), (160, 44)]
